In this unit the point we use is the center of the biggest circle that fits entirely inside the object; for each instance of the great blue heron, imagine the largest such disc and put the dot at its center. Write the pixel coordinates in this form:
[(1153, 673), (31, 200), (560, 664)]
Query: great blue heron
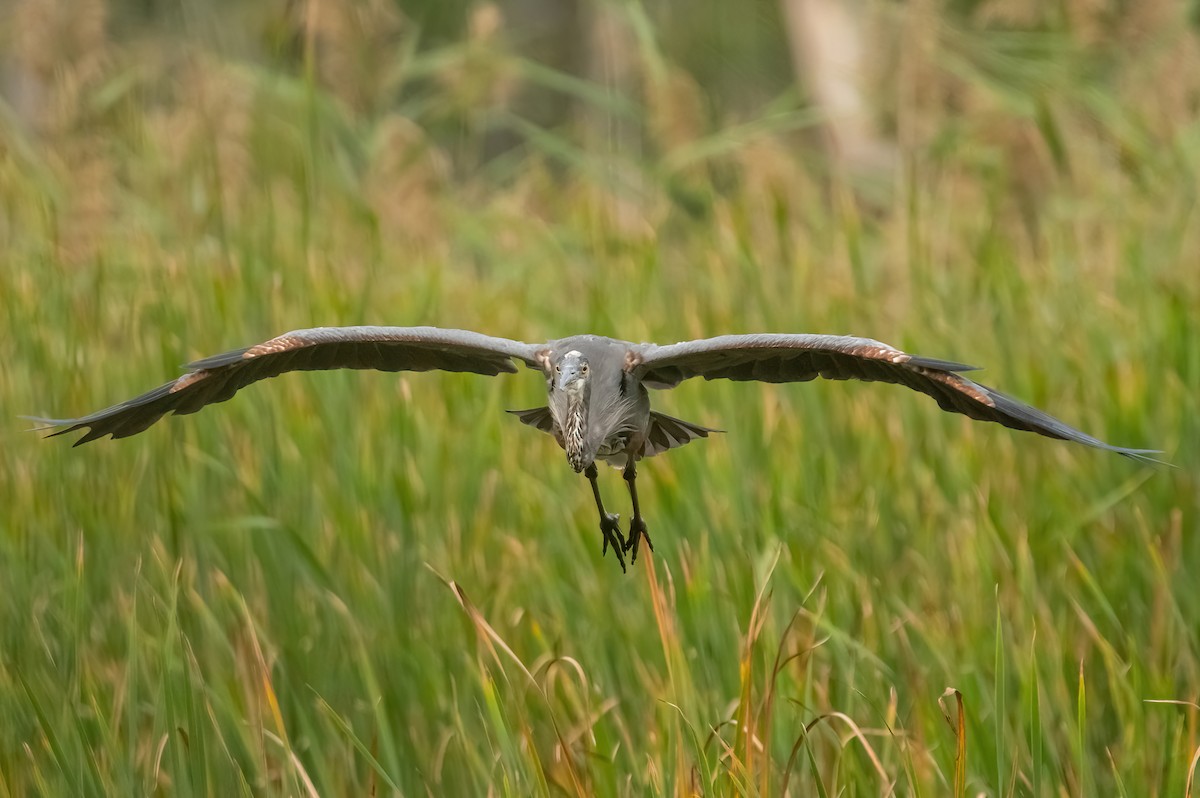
[(598, 405)]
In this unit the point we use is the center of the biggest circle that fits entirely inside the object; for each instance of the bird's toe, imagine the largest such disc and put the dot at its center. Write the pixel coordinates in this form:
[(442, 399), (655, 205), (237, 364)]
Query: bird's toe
[(637, 532), (610, 531)]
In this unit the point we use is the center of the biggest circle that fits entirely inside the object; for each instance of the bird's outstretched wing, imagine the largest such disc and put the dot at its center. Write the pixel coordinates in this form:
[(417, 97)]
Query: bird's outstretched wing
[(798, 358), (218, 378)]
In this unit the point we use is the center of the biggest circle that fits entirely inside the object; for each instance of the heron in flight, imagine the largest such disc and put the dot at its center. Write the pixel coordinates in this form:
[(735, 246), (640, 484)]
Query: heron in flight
[(598, 405)]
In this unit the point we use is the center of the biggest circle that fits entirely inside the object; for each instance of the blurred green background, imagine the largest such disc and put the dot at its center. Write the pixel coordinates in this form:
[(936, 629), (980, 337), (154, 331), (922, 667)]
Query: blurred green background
[(357, 583)]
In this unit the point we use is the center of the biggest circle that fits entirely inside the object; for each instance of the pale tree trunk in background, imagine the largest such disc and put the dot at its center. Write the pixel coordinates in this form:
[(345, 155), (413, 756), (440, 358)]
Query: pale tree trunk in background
[(613, 62), (24, 92), (829, 51)]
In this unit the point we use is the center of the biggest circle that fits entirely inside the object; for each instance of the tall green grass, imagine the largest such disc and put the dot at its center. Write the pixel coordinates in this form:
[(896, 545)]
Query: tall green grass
[(354, 583)]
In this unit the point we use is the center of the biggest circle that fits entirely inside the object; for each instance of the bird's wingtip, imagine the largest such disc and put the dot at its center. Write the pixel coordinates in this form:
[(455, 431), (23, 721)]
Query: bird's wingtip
[(47, 423), (1144, 456), (51, 427)]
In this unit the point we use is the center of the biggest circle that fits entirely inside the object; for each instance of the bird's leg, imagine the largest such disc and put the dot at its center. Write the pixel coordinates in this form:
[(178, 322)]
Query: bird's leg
[(608, 521), (637, 526)]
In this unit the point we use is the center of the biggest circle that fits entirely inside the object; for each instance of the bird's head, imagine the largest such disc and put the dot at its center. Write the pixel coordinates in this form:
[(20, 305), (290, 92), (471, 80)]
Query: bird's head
[(571, 374)]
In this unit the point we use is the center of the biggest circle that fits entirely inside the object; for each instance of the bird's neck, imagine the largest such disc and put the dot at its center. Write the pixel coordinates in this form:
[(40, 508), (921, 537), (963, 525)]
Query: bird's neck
[(575, 431)]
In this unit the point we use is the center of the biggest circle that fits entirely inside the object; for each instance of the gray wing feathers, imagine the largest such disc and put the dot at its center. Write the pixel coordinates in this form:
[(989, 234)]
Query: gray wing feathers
[(798, 358), (667, 433), (538, 418), (779, 358), (217, 378)]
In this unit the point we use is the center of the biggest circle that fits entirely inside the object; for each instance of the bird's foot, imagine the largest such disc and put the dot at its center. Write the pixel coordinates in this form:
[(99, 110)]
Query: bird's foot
[(611, 530), (637, 531)]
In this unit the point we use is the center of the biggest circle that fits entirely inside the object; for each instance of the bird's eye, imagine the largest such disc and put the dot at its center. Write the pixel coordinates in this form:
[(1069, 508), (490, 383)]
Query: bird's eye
[(558, 369), (584, 369)]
